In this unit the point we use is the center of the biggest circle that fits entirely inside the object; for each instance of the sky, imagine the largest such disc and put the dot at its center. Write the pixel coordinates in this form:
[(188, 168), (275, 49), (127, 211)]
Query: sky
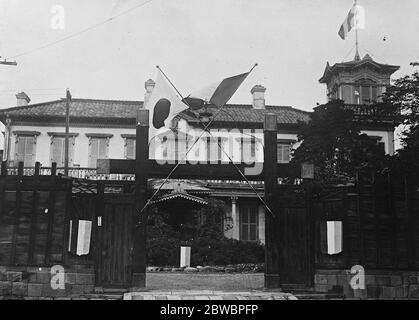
[(196, 43)]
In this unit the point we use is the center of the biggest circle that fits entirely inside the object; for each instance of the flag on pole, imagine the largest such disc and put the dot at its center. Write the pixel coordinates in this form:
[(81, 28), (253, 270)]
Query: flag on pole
[(164, 105), (218, 93), (354, 20)]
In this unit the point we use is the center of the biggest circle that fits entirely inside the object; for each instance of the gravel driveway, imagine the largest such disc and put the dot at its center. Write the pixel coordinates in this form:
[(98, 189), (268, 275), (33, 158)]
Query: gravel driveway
[(205, 281)]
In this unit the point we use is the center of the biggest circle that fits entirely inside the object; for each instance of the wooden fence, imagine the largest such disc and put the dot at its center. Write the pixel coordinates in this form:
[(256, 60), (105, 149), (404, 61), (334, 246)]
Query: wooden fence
[(33, 211), (380, 222)]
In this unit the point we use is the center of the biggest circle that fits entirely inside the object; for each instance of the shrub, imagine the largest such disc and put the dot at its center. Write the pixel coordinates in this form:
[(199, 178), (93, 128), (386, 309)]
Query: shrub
[(208, 244)]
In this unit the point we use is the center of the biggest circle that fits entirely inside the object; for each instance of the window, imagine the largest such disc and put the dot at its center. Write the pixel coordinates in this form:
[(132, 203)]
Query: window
[(347, 94), (284, 153), (130, 148), (248, 222), (214, 152), (98, 148), (248, 150), (57, 153), (365, 92), (25, 150)]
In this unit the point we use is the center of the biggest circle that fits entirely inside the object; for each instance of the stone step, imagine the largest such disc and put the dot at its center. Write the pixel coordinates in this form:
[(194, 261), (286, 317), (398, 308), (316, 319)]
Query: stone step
[(317, 296)]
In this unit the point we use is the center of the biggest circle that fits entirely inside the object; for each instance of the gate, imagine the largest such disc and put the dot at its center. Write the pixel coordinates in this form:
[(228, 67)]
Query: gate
[(288, 255), (109, 206), (114, 241), (294, 228)]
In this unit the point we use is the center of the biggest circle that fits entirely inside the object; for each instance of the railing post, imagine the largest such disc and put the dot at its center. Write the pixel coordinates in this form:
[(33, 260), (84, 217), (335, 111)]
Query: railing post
[(54, 169), (37, 168), (20, 169), (272, 253), (140, 218)]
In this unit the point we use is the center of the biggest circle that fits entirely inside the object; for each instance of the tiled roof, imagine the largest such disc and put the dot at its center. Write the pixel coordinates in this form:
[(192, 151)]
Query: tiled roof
[(356, 64), (89, 110), (79, 108), (247, 114)]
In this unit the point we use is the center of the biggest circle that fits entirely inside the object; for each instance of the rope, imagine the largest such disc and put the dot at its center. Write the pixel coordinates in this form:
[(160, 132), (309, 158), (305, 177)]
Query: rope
[(219, 146)]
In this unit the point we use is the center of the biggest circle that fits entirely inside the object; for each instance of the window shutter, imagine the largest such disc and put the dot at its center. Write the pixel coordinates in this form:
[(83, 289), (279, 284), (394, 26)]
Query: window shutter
[(280, 152), (103, 149), (286, 153), (347, 94), (58, 146), (30, 151), (130, 149), (98, 150), (20, 150), (93, 152)]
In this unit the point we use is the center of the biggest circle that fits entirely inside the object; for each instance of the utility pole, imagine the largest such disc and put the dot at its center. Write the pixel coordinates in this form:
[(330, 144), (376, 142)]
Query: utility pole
[(8, 121), (67, 131)]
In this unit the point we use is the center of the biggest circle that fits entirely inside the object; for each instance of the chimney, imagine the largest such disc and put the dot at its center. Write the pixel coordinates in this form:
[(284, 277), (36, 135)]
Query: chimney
[(149, 87), (22, 99), (258, 93)]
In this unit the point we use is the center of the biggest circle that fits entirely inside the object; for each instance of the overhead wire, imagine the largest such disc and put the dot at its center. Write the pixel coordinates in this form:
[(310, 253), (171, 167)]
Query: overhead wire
[(76, 34)]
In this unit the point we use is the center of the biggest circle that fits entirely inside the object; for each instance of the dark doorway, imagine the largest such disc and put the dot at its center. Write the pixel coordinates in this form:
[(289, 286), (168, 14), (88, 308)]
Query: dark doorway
[(294, 229), (115, 230)]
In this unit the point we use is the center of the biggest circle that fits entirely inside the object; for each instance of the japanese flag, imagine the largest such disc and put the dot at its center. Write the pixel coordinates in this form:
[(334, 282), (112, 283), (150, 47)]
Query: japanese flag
[(164, 105)]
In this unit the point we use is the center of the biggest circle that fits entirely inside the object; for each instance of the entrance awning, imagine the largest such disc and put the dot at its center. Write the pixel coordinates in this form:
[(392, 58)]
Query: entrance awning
[(181, 195)]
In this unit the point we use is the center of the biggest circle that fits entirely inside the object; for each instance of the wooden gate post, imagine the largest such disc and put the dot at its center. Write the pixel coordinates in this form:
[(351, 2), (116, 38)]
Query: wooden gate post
[(140, 219), (271, 229)]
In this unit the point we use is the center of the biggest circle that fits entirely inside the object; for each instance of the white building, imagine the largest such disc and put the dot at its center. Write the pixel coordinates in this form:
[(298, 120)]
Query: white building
[(102, 129)]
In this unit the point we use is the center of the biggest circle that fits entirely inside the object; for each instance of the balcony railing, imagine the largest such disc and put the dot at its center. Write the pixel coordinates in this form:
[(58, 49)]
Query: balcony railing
[(80, 173), (374, 111)]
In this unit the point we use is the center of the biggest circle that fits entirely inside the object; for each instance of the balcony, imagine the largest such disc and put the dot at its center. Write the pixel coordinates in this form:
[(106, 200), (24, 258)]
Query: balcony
[(374, 112), (80, 173)]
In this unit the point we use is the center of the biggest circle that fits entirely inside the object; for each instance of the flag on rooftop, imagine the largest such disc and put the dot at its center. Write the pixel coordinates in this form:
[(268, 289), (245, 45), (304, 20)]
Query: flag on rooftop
[(164, 105), (217, 94), (354, 20)]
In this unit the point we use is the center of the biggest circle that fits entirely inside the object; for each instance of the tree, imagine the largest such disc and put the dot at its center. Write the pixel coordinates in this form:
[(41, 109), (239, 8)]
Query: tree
[(404, 95), (333, 143)]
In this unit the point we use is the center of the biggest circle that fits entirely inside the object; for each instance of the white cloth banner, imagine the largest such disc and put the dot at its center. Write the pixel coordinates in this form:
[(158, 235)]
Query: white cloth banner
[(83, 237)]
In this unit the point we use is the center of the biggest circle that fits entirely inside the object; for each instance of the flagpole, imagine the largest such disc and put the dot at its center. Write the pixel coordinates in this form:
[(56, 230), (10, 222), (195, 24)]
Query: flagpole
[(189, 149), (356, 35)]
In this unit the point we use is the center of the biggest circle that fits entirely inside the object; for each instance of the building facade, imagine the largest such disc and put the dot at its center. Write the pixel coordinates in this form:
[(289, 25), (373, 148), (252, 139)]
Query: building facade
[(105, 129)]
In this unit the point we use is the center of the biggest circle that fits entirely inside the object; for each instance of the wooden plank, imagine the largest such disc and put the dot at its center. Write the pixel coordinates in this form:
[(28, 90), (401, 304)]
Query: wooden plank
[(361, 223), (310, 218), (17, 213), (98, 234), (67, 219), (272, 242), (393, 217), (51, 212), (409, 196), (220, 171), (34, 215), (139, 219)]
